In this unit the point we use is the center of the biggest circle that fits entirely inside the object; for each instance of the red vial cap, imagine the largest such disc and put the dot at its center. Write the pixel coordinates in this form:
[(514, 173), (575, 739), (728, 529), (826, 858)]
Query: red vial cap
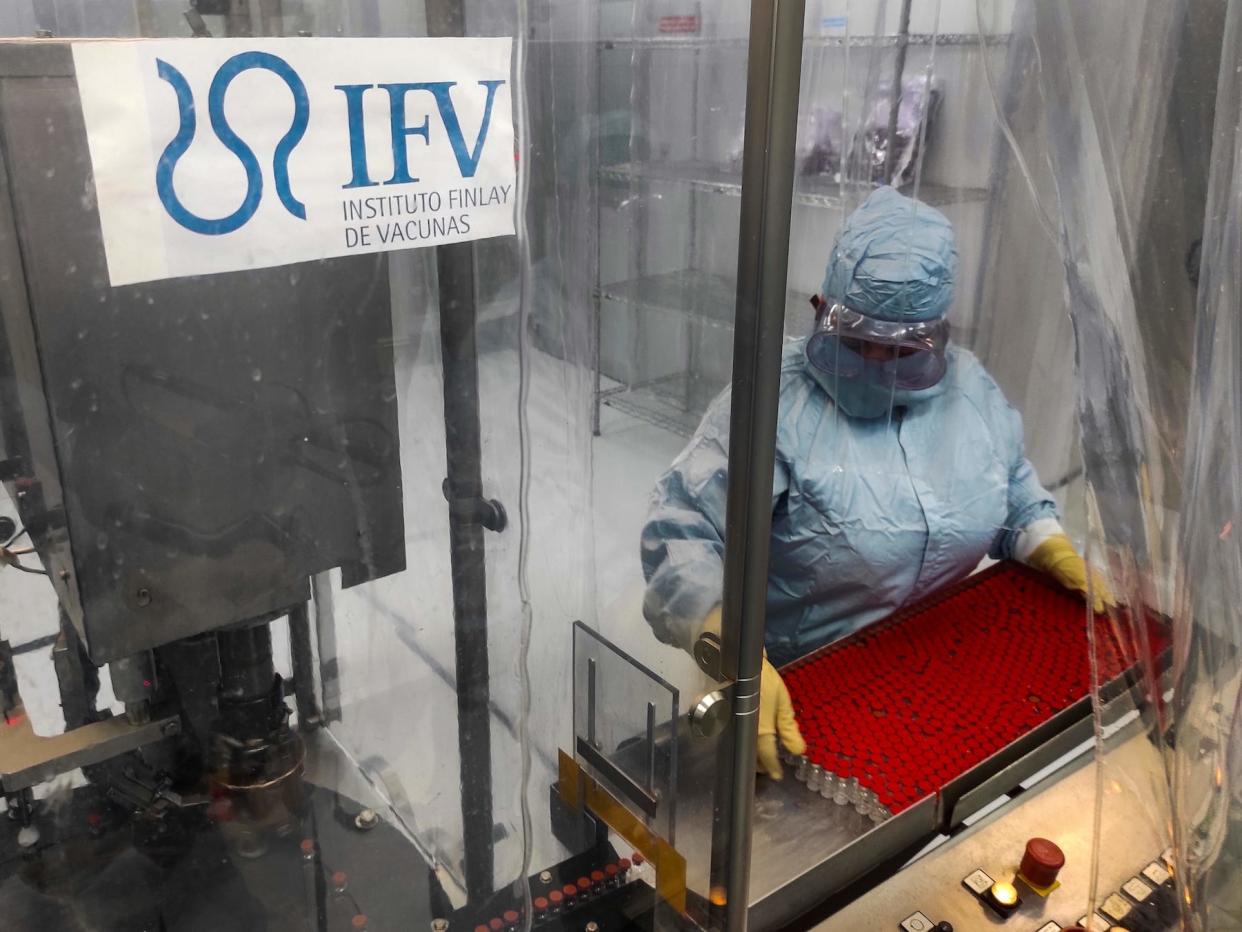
[(638, 857), (569, 890), (624, 864), (308, 847), (540, 903), (597, 876), (511, 916), (495, 924), (610, 871), (583, 884), (358, 922), (1041, 862), (556, 897), (481, 929)]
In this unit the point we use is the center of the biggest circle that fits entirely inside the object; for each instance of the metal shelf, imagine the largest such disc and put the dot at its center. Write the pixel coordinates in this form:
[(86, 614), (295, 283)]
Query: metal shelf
[(660, 402), (812, 190), (703, 298), (944, 40)]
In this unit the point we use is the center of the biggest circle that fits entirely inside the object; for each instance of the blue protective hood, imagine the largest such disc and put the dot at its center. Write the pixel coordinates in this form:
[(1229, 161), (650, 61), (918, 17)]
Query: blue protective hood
[(894, 259)]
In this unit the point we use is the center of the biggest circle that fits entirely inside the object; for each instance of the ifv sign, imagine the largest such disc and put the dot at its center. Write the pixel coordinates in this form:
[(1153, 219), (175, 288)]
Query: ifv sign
[(467, 157), (217, 155)]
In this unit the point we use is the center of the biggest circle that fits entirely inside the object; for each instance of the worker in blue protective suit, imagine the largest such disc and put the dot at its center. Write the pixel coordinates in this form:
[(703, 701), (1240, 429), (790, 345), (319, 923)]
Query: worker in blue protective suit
[(899, 466)]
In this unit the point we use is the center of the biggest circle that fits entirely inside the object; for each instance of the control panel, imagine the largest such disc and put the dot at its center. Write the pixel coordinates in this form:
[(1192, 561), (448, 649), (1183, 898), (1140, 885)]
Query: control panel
[(1027, 866)]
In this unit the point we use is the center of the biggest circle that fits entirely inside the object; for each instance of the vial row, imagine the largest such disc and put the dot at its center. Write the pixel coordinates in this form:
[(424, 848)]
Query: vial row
[(844, 791)]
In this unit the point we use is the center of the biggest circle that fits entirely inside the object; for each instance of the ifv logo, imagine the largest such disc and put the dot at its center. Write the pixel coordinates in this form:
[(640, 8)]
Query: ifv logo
[(173, 152), (467, 157)]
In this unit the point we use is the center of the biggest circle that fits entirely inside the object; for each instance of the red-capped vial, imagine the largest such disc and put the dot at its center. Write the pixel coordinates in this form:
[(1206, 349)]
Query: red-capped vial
[(480, 928), (308, 850), (340, 881), (556, 902), (571, 893), (495, 924), (610, 875), (511, 918), (358, 923), (624, 866), (584, 888), (540, 905), (638, 858)]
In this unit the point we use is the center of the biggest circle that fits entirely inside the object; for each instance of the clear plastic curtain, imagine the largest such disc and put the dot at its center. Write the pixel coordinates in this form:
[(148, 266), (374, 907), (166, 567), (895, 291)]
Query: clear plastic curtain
[(1206, 728), (1107, 112)]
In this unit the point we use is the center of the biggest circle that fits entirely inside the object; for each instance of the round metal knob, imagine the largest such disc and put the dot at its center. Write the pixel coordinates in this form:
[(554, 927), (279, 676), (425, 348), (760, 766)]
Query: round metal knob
[(710, 714)]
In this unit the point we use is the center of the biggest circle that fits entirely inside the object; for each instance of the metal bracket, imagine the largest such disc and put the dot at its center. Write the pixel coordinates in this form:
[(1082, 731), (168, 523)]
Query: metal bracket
[(579, 791), (708, 655), (487, 512), (26, 759)]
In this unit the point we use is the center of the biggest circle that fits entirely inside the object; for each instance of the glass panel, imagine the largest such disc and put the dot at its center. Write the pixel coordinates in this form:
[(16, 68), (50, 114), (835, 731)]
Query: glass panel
[(306, 568), (332, 541), (995, 370)]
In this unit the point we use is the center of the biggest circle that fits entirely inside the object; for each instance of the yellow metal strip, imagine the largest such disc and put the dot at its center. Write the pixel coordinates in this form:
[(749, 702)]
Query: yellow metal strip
[(578, 787)]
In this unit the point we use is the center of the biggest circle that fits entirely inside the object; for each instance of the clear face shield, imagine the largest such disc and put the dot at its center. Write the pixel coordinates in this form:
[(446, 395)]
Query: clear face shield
[(906, 356)]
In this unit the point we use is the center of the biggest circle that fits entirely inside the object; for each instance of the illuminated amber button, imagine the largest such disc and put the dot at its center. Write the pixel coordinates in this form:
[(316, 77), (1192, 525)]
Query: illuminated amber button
[(1005, 894), (1003, 897)]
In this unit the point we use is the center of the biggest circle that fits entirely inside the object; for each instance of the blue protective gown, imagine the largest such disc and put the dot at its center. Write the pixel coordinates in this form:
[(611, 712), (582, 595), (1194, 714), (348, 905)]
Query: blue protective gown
[(867, 514)]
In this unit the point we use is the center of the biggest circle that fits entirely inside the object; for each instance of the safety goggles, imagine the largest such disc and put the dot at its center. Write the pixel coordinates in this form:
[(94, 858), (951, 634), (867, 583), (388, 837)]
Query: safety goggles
[(846, 344)]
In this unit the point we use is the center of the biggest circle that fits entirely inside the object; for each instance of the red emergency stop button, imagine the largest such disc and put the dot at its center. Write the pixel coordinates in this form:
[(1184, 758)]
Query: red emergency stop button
[(1041, 862)]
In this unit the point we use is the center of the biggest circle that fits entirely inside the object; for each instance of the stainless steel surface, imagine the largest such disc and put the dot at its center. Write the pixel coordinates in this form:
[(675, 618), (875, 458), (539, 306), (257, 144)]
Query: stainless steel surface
[(111, 395), (709, 715), (805, 847), (27, 759), (1062, 810), (962, 801)]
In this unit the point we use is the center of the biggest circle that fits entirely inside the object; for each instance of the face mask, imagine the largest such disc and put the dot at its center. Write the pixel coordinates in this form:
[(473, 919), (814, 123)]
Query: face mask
[(870, 393), (845, 344)]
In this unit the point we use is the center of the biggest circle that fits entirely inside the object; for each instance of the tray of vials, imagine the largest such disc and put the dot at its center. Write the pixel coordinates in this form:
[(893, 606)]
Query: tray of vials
[(899, 710)]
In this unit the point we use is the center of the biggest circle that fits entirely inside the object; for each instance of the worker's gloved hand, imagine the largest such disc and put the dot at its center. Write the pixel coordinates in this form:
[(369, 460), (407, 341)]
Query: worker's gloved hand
[(776, 721), (776, 715), (1057, 557)]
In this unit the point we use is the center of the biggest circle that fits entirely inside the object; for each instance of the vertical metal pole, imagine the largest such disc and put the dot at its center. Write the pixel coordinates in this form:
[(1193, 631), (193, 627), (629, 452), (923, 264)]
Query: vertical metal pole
[(458, 315), (455, 265), (302, 657), (597, 323), (774, 70), (899, 72)]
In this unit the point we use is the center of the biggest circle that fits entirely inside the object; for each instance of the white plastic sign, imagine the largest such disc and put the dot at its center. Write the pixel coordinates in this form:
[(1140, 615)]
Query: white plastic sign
[(215, 155)]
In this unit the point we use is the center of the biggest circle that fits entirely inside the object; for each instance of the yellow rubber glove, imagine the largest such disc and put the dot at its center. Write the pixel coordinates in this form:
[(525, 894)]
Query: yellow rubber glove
[(776, 714), (1057, 557), (776, 720)]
